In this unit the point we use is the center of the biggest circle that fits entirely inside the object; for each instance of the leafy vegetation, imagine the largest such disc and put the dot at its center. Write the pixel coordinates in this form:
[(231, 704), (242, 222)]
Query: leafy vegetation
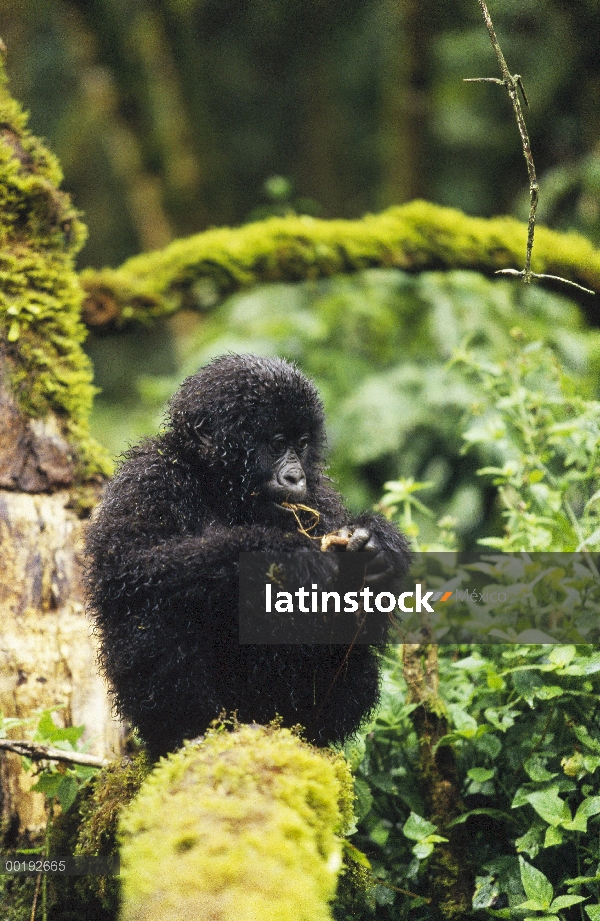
[(413, 372), (60, 784), (522, 724), (525, 733)]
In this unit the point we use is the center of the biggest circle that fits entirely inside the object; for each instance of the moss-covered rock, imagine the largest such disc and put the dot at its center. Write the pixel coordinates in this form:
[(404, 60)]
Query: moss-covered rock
[(241, 826), (44, 373)]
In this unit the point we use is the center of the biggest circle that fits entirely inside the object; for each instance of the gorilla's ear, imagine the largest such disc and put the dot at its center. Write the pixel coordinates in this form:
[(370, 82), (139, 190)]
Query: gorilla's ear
[(204, 439)]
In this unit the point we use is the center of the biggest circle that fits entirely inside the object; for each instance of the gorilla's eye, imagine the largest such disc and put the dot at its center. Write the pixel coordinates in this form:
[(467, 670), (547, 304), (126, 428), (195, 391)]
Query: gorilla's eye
[(278, 443), (302, 443)]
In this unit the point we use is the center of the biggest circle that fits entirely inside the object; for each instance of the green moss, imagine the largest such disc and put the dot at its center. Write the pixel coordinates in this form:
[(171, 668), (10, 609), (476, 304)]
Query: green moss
[(200, 271), (89, 828), (112, 789), (355, 897), (244, 825), (40, 295)]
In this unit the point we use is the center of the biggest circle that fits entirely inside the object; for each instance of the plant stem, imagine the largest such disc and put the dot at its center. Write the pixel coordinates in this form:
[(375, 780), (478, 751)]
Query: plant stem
[(513, 82)]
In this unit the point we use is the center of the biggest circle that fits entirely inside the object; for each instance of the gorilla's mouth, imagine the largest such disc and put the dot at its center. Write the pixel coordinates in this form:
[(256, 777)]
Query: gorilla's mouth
[(289, 502)]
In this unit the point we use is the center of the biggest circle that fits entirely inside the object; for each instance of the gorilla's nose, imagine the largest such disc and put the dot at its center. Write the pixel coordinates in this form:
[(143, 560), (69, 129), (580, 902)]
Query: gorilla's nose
[(293, 481), (294, 476)]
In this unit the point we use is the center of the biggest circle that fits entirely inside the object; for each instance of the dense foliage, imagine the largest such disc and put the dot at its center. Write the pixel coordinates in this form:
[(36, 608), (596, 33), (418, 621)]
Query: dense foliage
[(525, 732), (175, 115), (521, 722)]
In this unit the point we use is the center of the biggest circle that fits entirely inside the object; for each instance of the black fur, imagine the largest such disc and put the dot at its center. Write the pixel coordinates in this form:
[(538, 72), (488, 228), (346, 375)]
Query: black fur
[(162, 565)]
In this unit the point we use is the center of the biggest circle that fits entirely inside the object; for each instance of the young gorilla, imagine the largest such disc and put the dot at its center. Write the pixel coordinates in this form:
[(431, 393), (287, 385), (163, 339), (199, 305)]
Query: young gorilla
[(245, 434)]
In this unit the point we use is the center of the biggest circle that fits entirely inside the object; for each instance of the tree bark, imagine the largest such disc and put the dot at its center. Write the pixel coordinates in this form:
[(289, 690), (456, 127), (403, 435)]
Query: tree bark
[(51, 471), (47, 650)]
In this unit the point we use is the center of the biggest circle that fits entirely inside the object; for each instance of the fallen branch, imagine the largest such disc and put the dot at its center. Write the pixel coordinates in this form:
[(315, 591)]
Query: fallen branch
[(41, 752)]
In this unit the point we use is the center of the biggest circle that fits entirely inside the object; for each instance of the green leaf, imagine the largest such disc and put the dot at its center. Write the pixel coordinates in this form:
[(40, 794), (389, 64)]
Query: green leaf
[(583, 735), (553, 836), (531, 842), (495, 682), (48, 731), (502, 719), (531, 905), (564, 901), (418, 828), (536, 476), (48, 783), (536, 769), (480, 775), (538, 887), (581, 880), (489, 744), (586, 809), (548, 692), (67, 791), (549, 805), (562, 655), (593, 912), (486, 892), (380, 834), (422, 849), (521, 797)]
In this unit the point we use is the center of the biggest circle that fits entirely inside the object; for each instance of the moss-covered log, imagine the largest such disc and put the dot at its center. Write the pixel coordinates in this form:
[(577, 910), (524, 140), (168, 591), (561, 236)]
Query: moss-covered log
[(241, 826), (198, 272)]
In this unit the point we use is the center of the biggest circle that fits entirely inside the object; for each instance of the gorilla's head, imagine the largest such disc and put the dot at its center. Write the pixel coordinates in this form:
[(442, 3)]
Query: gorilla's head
[(254, 426)]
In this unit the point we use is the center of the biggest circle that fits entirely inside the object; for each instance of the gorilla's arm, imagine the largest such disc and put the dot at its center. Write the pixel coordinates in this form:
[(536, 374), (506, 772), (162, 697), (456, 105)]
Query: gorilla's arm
[(181, 565)]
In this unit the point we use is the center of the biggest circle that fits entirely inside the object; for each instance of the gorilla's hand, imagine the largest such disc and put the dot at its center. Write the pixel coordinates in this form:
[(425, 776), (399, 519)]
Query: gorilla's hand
[(380, 569)]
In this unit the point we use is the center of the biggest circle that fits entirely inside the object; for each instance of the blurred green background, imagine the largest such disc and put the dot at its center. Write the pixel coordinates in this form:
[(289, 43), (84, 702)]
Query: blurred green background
[(176, 115)]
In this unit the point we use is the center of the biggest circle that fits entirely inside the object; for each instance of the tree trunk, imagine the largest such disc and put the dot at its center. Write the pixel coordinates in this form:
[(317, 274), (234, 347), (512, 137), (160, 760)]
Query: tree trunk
[(47, 652), (404, 111), (51, 471)]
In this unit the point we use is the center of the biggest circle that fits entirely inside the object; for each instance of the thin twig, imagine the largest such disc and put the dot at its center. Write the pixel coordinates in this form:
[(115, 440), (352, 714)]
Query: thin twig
[(513, 84), (565, 281), (35, 896), (40, 752)]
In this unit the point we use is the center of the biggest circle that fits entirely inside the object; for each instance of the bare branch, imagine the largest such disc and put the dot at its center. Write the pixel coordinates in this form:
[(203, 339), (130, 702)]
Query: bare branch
[(41, 752), (514, 83), (565, 281), (483, 80)]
